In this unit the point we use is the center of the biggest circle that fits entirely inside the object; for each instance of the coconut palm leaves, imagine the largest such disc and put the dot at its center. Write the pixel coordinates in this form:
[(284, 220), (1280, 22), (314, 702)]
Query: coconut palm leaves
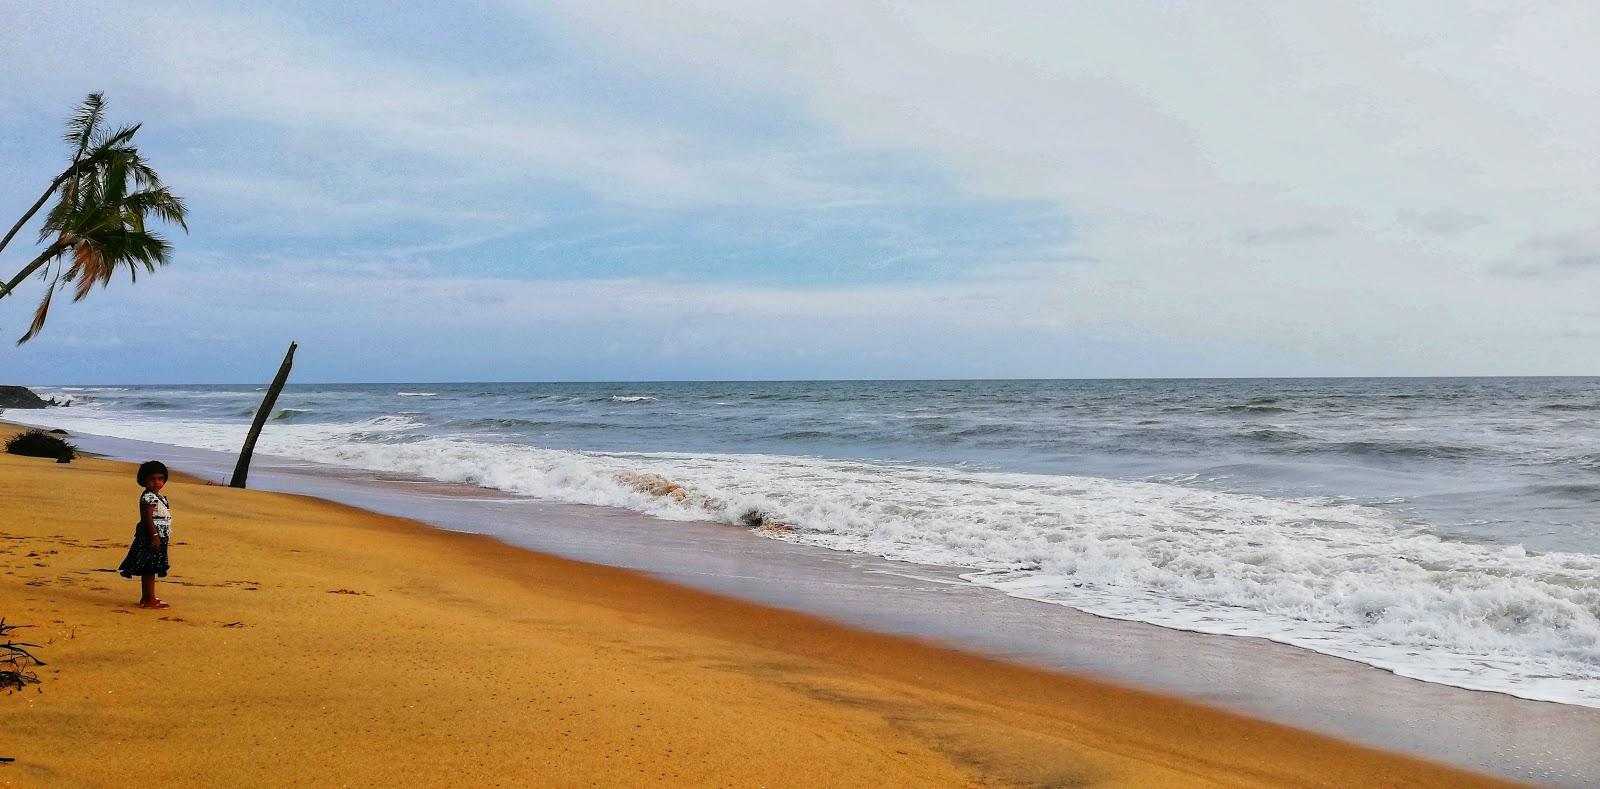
[(98, 225)]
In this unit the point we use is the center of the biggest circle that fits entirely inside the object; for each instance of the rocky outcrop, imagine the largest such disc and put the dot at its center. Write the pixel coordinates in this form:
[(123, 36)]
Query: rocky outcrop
[(20, 397)]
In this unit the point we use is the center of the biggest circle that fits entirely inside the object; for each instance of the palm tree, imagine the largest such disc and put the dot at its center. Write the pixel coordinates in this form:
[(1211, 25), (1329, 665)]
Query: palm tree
[(98, 220), (83, 129)]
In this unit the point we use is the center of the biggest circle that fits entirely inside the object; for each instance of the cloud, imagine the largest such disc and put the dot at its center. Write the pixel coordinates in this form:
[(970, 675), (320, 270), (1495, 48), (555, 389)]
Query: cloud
[(1249, 189), (373, 323), (389, 122), (1579, 260), (1190, 143), (1552, 256), (1442, 221), (1279, 235)]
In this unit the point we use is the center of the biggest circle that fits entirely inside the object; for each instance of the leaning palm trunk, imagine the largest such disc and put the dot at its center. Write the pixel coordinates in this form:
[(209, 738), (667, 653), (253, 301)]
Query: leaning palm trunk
[(242, 470), (54, 185), (49, 254)]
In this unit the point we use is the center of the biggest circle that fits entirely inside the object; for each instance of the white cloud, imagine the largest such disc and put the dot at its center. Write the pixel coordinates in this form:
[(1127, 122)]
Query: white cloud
[(376, 323), (1424, 144), (1253, 189), (388, 120)]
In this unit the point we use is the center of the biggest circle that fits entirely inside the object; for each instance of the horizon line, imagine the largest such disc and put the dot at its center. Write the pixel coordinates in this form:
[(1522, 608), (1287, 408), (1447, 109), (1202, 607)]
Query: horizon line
[(851, 380)]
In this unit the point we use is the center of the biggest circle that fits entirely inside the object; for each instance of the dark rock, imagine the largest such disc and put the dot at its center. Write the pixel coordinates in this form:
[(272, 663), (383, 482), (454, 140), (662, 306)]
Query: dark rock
[(20, 397)]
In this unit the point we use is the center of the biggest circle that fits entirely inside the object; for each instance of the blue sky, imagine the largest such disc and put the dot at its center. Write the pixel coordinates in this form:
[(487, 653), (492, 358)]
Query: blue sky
[(597, 190)]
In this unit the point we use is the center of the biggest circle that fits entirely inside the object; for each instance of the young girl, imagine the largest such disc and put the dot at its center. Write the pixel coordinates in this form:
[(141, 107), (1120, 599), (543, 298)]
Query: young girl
[(147, 556)]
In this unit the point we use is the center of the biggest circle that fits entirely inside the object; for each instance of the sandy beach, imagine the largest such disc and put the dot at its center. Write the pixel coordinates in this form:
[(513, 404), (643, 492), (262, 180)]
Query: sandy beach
[(311, 643)]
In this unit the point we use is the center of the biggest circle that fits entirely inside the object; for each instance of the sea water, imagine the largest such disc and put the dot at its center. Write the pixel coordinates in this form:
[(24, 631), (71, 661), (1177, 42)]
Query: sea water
[(1443, 529)]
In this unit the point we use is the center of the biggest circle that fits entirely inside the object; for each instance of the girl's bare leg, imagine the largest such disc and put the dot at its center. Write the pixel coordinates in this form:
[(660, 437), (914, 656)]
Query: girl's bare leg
[(147, 589)]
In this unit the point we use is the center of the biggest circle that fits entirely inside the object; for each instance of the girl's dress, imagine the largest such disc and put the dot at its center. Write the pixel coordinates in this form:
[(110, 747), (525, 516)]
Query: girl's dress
[(143, 559)]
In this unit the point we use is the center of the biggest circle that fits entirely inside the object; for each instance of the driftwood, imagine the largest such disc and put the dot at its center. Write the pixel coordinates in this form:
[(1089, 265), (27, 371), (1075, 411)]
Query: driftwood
[(242, 470), (14, 661)]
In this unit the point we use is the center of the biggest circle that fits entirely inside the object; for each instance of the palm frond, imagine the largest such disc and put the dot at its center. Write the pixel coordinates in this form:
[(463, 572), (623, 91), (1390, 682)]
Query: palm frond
[(85, 122), (97, 159), (139, 170), (88, 260), (120, 137), (99, 224), (161, 203), (115, 183), (38, 317), (97, 262)]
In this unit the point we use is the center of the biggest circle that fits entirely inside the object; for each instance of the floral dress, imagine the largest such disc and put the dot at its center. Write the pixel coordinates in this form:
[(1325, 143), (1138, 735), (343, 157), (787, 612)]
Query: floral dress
[(143, 558)]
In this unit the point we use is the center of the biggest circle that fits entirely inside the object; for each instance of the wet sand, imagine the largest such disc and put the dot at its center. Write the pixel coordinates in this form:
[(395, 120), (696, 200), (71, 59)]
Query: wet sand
[(314, 643)]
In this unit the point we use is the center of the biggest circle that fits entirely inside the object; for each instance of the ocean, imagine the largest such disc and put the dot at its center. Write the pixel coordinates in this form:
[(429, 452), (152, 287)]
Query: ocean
[(1443, 529)]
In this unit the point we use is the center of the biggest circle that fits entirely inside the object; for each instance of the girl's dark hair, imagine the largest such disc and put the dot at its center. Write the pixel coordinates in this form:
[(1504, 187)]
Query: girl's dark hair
[(151, 467)]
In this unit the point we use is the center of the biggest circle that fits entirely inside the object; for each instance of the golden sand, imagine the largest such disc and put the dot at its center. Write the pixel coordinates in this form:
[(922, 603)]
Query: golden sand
[(315, 644)]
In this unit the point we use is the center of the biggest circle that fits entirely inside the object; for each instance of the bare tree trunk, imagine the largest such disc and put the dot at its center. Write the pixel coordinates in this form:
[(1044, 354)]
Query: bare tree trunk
[(242, 470)]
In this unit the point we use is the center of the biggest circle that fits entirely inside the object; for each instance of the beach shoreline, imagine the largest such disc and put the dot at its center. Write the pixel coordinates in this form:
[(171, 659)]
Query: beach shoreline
[(459, 665)]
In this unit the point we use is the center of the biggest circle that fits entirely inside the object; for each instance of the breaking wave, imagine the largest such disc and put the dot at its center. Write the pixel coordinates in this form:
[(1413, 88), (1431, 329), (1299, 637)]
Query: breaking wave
[(1336, 578)]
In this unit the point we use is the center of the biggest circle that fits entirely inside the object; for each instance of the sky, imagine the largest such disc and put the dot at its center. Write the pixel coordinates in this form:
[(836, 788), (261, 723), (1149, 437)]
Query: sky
[(736, 189)]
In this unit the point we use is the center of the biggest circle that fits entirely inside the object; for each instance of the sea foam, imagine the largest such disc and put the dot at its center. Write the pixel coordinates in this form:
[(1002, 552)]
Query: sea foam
[(1317, 573)]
